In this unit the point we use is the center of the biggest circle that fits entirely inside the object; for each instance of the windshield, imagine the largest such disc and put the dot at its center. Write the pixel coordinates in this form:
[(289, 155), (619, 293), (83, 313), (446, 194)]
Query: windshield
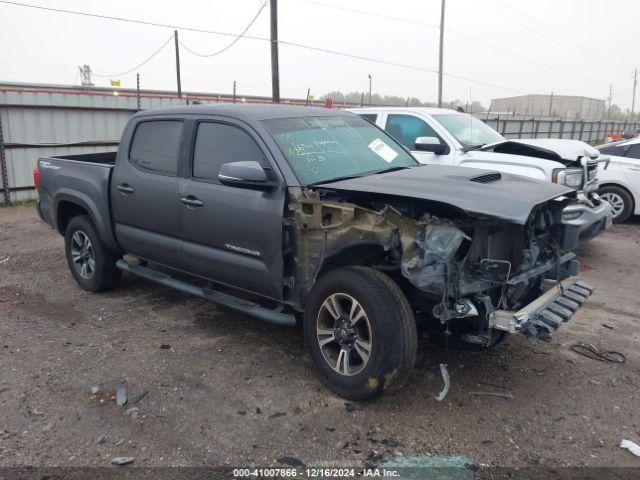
[(320, 149), (469, 130)]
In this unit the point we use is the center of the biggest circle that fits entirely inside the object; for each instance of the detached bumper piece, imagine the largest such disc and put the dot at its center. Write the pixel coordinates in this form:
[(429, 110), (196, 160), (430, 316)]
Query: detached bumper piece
[(545, 314)]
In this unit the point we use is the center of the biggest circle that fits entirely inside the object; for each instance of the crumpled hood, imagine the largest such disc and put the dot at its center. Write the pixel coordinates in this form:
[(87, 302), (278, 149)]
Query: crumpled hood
[(510, 197), (560, 150)]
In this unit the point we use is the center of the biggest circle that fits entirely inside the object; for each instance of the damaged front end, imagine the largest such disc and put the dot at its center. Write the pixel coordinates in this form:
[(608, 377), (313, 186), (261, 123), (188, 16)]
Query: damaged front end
[(465, 273)]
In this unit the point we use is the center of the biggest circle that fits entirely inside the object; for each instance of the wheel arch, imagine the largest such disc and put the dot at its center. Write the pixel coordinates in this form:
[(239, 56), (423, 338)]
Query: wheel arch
[(71, 204)]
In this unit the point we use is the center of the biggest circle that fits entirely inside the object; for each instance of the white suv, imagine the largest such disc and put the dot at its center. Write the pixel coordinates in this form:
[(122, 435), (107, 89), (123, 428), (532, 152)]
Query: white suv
[(448, 137)]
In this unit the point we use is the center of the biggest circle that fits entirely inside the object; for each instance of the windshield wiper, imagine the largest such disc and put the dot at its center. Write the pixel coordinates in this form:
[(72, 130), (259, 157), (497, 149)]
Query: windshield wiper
[(336, 179), (391, 169), (473, 147)]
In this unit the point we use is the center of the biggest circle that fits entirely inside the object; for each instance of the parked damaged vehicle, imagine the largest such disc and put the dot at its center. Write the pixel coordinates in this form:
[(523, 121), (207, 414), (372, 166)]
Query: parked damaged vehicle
[(443, 136), (296, 214)]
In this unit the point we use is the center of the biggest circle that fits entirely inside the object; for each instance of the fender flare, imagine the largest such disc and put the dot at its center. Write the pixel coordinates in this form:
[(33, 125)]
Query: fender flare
[(103, 225)]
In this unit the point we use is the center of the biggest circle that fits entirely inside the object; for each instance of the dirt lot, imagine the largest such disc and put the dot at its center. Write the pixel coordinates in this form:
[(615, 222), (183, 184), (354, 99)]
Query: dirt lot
[(224, 389)]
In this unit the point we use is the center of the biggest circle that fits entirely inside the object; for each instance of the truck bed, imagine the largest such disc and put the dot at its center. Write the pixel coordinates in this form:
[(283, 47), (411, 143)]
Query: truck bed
[(83, 180)]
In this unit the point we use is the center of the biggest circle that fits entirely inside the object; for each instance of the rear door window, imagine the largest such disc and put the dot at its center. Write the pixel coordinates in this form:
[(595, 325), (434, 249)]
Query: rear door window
[(156, 146), (634, 151)]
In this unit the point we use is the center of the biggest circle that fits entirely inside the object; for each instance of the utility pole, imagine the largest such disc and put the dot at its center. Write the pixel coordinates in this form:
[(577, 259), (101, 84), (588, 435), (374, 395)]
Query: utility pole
[(175, 38), (551, 105), (635, 84), (138, 89), (275, 72), (234, 91), (306, 102), (610, 95), (369, 89), (441, 56), (85, 76)]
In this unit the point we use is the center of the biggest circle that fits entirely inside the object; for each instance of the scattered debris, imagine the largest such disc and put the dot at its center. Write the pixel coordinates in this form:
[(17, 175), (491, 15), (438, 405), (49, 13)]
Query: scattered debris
[(535, 457), (2, 390), (241, 412), (291, 461), (508, 396), (4, 258), (121, 396), (277, 414), (559, 418), (101, 439), (374, 456), (165, 346), (48, 427), (631, 446), (597, 444), (94, 390), (608, 326), (122, 460), (389, 442), (351, 407), (136, 398), (133, 412), (445, 379), (590, 351), (330, 429), (258, 411)]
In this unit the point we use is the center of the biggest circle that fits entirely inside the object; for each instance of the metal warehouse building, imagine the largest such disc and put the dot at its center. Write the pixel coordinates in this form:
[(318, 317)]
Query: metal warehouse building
[(565, 106)]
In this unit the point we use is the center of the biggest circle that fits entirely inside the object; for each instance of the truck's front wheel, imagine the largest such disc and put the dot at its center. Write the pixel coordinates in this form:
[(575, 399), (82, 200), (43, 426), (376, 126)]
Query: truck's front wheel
[(91, 264), (360, 332)]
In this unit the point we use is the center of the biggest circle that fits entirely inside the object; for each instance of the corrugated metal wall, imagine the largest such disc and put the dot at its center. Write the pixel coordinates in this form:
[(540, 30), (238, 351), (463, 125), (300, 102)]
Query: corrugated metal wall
[(41, 121)]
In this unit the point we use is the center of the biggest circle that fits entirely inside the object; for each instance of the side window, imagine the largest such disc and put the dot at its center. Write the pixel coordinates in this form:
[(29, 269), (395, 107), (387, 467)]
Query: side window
[(372, 117), (617, 150), (156, 146), (406, 128), (219, 143), (634, 151)]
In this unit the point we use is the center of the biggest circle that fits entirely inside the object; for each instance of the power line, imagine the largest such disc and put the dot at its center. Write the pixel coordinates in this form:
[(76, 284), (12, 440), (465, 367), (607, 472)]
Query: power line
[(233, 42), (454, 32), (283, 42), (139, 65)]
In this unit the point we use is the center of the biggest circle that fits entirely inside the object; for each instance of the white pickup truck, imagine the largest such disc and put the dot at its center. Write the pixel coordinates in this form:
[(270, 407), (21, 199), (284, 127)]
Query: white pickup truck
[(448, 137)]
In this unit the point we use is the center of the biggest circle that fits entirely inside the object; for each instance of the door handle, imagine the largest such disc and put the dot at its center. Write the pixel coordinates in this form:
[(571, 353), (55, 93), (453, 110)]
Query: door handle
[(191, 201), (125, 188)]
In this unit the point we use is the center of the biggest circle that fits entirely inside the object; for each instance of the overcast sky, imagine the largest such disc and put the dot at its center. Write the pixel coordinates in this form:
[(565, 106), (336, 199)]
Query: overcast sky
[(569, 47)]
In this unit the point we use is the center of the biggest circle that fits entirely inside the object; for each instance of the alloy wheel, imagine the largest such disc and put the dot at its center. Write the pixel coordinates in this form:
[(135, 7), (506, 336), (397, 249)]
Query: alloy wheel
[(344, 334), (82, 254)]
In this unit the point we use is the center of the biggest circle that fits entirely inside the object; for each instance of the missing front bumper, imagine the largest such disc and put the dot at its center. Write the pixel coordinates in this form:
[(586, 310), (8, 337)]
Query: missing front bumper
[(545, 314)]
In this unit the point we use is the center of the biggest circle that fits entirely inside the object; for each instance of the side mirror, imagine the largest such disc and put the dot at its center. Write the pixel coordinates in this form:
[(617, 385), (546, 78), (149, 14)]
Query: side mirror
[(430, 144), (245, 174)]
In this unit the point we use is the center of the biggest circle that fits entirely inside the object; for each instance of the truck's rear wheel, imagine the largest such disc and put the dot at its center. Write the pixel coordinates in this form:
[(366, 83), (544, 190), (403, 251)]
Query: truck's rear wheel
[(360, 332), (91, 264)]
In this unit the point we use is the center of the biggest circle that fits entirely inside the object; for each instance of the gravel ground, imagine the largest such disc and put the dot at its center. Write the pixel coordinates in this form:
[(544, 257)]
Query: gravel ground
[(223, 389)]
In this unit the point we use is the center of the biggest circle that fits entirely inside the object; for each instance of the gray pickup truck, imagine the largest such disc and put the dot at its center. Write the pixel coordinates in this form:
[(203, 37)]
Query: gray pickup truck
[(303, 214)]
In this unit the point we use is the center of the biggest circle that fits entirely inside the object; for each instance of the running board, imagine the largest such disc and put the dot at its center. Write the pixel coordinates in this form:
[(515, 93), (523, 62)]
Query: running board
[(215, 296)]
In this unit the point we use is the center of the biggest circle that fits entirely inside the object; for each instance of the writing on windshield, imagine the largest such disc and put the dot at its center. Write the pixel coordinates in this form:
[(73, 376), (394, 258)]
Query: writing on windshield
[(322, 148)]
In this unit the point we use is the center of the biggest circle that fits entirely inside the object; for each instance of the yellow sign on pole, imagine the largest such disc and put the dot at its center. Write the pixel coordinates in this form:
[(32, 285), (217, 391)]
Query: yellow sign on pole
[(115, 83)]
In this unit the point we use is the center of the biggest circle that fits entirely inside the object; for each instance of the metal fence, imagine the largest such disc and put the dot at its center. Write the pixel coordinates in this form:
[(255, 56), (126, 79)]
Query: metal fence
[(39, 121), (593, 132)]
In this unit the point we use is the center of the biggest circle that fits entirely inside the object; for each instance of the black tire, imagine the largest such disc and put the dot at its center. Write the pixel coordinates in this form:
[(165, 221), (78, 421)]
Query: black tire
[(613, 191), (104, 274), (390, 325), (455, 341)]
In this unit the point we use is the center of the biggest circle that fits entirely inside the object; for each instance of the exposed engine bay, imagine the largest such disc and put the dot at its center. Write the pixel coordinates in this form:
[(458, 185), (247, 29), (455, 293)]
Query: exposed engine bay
[(454, 266)]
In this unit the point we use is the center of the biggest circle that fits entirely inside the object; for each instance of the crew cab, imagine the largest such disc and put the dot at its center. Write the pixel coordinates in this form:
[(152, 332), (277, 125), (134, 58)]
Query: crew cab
[(294, 214), (449, 137)]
